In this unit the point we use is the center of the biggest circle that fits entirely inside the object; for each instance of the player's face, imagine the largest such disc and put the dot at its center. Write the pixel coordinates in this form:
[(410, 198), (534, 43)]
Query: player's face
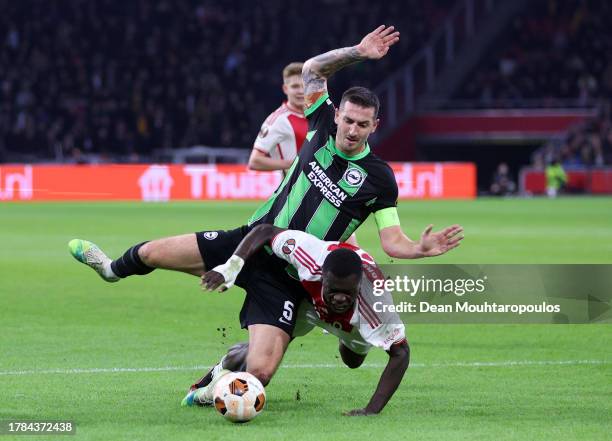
[(293, 87), (339, 294), (355, 123)]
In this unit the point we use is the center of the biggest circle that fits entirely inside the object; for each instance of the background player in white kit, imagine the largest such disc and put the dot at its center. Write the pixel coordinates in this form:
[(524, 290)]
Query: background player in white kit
[(284, 130), (338, 278)]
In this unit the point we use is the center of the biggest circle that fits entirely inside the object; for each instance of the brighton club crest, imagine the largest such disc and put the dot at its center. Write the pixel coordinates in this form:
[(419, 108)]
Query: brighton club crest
[(354, 177)]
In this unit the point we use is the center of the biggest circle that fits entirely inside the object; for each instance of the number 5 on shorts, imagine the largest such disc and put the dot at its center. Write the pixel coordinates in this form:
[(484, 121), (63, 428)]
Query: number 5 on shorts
[(287, 312)]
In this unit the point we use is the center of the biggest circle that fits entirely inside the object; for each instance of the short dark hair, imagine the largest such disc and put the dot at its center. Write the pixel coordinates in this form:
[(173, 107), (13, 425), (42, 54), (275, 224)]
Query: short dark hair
[(362, 97), (342, 263)]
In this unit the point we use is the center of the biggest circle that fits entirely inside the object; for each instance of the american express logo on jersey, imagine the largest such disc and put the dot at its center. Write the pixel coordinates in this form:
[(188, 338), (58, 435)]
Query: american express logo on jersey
[(329, 189)]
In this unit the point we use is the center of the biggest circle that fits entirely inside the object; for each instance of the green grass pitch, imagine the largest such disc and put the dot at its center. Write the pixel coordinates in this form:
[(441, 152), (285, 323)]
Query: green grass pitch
[(63, 331)]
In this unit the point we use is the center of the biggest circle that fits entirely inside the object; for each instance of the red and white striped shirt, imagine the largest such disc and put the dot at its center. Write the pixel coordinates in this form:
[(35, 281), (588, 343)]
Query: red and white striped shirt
[(307, 254), (282, 133)]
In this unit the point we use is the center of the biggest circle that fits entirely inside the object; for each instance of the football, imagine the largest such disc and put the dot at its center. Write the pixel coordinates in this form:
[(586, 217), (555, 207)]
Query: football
[(239, 397)]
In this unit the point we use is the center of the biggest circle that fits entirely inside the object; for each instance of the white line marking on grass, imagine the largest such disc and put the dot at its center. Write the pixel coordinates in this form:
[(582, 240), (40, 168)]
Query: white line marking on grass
[(471, 364)]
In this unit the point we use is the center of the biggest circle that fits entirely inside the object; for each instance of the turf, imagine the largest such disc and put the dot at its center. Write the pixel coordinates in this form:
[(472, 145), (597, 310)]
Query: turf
[(62, 330)]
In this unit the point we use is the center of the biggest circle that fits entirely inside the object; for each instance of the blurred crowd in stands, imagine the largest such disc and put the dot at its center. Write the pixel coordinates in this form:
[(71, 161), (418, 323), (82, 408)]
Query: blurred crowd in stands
[(583, 147), (559, 51), (586, 145), (123, 78)]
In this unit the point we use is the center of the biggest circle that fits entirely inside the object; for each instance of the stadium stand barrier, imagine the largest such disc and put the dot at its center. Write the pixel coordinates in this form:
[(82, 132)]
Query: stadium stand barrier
[(199, 153)]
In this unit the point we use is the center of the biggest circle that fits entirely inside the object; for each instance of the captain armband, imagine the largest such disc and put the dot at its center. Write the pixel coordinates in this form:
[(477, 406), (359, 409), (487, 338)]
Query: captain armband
[(387, 217)]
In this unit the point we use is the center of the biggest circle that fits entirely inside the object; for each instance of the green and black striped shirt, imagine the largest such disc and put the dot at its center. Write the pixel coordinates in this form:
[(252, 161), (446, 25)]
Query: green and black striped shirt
[(325, 192)]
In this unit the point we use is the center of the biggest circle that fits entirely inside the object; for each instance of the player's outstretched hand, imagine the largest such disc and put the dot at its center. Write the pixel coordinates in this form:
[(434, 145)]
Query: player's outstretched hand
[(213, 280), (376, 44), (440, 242), (358, 412)]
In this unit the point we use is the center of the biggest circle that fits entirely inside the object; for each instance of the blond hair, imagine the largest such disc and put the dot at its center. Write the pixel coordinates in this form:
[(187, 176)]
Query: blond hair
[(292, 69)]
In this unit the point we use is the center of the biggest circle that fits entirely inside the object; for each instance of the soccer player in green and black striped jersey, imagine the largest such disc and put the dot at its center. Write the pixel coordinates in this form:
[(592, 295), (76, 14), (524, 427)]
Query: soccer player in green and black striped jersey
[(329, 193), (332, 187), (337, 182)]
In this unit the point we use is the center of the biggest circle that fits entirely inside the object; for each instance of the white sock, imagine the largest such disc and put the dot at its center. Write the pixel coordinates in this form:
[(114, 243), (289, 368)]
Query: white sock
[(108, 271), (219, 368)]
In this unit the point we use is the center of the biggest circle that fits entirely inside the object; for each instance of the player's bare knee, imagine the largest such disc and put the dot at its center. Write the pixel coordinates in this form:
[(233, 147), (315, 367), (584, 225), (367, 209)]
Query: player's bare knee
[(353, 364), (147, 254), (351, 359)]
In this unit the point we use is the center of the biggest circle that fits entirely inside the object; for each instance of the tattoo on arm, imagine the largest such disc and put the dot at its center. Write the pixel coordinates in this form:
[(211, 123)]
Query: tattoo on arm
[(313, 85), (330, 62), (318, 69)]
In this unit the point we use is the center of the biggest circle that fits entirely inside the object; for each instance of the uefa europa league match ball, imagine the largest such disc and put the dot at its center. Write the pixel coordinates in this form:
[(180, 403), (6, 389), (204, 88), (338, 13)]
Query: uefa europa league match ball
[(239, 397)]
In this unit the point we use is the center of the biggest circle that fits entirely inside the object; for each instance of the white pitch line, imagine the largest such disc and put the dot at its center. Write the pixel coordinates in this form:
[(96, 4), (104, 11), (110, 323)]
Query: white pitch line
[(472, 364)]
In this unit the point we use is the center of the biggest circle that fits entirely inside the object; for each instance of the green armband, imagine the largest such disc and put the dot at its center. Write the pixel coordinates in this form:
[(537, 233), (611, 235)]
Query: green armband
[(387, 217)]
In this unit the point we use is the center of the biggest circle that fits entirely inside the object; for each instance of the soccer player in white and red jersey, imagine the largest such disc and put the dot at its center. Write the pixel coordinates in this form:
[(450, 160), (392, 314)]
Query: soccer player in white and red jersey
[(339, 279), (284, 130)]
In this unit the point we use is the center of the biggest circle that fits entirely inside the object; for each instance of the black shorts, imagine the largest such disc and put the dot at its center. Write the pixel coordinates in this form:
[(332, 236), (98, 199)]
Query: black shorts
[(272, 296), (216, 246)]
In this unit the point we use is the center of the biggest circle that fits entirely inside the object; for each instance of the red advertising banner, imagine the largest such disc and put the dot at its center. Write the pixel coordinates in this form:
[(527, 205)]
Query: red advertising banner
[(165, 182), (596, 181)]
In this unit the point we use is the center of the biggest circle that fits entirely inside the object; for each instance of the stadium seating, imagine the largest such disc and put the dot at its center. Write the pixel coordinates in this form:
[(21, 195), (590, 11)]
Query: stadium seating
[(123, 78), (585, 145), (555, 54)]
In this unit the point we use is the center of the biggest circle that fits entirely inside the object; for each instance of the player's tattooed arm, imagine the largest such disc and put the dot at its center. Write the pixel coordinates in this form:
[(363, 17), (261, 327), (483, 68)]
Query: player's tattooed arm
[(318, 69)]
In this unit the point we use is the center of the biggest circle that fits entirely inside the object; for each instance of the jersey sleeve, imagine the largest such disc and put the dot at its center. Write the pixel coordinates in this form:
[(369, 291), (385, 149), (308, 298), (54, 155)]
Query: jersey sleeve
[(302, 250), (321, 115), (385, 335), (377, 325), (380, 329), (270, 136), (389, 191)]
